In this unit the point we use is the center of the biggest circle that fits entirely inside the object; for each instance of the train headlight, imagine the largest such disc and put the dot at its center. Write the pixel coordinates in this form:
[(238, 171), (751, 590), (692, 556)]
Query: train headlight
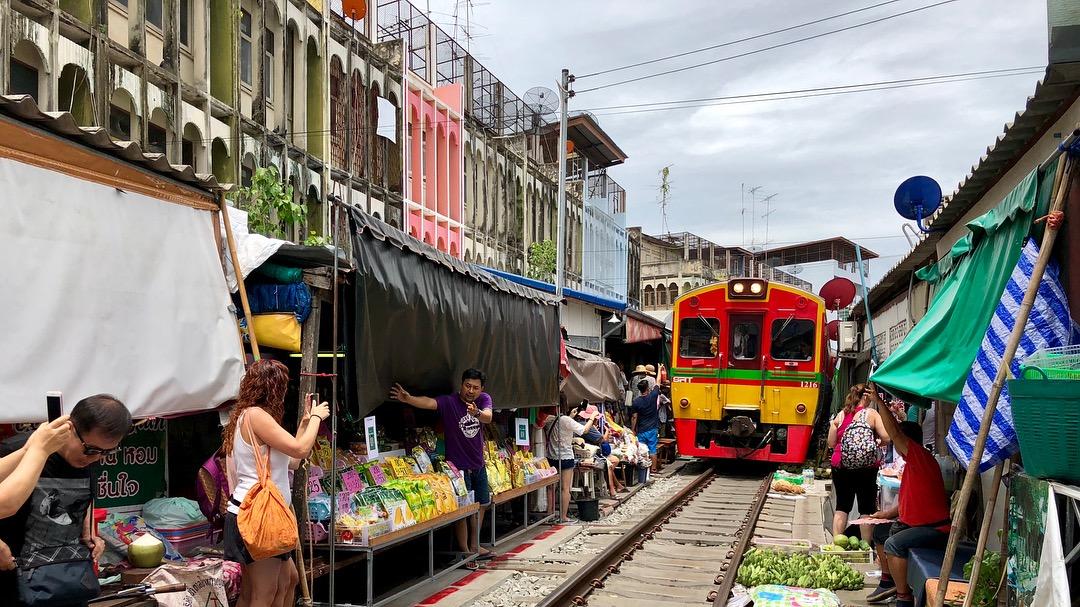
[(739, 287), (684, 403), (747, 288), (755, 288), (800, 408)]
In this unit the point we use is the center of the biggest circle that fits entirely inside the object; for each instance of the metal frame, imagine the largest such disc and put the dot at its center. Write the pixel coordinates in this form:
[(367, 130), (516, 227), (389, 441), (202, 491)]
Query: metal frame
[(369, 555), (525, 525)]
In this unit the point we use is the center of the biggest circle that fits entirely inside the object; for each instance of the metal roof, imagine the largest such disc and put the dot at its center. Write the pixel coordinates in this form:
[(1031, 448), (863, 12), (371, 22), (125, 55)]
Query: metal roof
[(25, 109), (547, 287), (366, 225), (837, 248), (1054, 94)]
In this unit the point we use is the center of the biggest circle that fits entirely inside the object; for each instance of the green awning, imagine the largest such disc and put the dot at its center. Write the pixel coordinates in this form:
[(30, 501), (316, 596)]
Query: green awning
[(934, 360)]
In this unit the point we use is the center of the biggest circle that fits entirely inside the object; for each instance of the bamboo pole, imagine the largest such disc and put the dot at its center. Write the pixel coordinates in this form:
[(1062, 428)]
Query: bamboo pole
[(1064, 176), (239, 275), (988, 515)]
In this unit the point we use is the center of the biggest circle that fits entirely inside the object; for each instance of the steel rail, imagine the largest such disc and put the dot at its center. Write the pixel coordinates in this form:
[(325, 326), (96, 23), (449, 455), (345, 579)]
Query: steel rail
[(729, 569), (576, 587)]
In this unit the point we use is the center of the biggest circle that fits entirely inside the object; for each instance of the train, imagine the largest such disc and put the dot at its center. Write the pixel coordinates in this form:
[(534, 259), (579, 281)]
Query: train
[(751, 370)]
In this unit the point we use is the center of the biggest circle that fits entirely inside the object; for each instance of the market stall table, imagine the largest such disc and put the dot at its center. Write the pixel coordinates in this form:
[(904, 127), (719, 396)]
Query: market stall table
[(382, 542), (513, 494)]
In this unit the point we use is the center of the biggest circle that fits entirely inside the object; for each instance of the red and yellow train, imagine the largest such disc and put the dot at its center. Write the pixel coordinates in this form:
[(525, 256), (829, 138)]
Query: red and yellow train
[(750, 371)]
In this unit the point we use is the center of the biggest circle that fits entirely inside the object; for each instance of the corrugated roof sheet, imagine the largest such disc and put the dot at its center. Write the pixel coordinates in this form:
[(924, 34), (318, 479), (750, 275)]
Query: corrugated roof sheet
[(1054, 94), (377, 229), (25, 109)]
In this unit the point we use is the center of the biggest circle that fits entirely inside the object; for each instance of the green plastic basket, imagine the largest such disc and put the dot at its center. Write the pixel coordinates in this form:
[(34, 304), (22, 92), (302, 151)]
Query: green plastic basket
[(1046, 413), (1053, 363)]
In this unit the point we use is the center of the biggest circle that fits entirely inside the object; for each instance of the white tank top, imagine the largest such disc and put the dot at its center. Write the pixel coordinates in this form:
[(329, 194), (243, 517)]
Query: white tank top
[(247, 474)]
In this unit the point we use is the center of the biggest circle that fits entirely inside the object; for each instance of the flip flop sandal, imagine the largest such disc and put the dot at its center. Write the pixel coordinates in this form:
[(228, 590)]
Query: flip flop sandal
[(471, 566)]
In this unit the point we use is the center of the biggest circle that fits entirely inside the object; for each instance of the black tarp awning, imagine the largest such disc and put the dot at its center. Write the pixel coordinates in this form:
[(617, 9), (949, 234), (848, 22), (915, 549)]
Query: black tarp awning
[(592, 378), (423, 317)]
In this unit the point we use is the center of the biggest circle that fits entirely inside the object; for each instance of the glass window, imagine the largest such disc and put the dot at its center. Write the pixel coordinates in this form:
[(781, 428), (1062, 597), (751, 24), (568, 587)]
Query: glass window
[(185, 22), (156, 138), (245, 46), (792, 339), (698, 337), (119, 123), (154, 13), (24, 79), (268, 66), (745, 340)]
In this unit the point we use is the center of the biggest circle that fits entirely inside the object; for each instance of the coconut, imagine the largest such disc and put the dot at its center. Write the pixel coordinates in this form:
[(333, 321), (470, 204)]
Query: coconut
[(146, 551)]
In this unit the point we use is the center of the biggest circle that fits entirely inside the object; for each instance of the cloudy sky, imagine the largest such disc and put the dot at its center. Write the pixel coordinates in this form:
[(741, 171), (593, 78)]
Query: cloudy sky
[(833, 162)]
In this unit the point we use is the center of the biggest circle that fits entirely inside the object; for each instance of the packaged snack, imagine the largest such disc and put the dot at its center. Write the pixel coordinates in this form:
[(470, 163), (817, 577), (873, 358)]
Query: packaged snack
[(422, 460)]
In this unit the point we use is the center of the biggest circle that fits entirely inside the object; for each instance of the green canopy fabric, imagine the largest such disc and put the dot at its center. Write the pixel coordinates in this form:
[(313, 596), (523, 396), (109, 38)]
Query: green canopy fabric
[(934, 360)]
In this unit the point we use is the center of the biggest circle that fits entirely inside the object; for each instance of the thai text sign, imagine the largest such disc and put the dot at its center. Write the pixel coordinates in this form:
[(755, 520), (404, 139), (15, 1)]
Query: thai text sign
[(135, 474)]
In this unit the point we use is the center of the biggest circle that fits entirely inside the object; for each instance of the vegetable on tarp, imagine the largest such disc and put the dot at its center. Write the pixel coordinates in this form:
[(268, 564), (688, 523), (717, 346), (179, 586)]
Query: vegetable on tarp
[(761, 567)]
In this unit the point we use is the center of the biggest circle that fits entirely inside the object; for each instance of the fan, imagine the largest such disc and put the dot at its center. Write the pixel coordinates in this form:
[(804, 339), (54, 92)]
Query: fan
[(541, 103)]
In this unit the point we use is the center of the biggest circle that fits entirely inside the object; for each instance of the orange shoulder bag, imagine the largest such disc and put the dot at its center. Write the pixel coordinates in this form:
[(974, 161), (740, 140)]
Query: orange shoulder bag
[(266, 521)]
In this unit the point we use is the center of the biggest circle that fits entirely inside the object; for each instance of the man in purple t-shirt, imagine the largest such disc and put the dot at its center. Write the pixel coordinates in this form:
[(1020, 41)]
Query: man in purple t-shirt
[(462, 413)]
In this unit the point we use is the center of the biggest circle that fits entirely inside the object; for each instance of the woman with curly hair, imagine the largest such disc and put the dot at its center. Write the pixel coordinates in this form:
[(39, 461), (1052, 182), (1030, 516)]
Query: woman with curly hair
[(255, 423), (854, 435)]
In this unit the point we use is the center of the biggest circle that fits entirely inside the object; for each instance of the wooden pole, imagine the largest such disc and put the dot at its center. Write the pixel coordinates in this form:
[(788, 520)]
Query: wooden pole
[(988, 515), (239, 274), (1064, 176)]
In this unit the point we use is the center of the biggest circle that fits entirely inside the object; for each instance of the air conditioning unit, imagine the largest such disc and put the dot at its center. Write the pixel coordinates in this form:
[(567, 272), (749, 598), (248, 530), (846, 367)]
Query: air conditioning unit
[(1063, 19), (848, 342)]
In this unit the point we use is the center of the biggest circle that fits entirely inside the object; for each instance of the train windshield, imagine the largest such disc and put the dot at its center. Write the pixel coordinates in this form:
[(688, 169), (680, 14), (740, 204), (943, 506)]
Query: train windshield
[(793, 339), (745, 340), (698, 337)]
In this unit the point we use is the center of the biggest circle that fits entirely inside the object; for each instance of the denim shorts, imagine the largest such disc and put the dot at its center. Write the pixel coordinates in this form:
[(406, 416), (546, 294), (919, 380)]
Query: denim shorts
[(477, 482), (901, 538), (649, 438), (563, 464)]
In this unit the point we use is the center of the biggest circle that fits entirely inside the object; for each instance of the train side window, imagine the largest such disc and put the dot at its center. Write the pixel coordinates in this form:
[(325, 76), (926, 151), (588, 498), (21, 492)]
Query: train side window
[(698, 337), (746, 339), (793, 339)]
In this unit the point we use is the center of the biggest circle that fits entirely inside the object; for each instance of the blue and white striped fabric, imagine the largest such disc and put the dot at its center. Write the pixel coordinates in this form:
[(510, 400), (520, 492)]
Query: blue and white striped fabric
[(1049, 325)]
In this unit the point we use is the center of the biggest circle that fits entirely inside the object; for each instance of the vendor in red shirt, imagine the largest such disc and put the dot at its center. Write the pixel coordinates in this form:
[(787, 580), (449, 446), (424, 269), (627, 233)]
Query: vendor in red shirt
[(922, 511)]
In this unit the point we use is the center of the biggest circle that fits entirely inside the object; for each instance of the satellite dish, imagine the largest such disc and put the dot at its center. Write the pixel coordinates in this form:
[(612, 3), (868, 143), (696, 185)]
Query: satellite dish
[(795, 270), (832, 330), (838, 293), (540, 106), (354, 9), (917, 198)]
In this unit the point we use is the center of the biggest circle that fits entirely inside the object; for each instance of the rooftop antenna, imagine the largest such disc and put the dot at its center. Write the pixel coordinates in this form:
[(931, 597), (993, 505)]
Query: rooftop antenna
[(665, 191), (768, 211), (753, 214), (742, 212)]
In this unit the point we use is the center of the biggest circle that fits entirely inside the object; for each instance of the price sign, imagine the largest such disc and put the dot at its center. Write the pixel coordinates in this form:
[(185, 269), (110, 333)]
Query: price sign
[(351, 481), (377, 475), (344, 503), (314, 487), (315, 472), (521, 435), (371, 437)]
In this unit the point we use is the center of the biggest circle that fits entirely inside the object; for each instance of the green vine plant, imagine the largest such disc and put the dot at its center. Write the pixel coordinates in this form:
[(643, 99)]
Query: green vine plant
[(985, 589), (542, 259), (316, 240), (270, 206)]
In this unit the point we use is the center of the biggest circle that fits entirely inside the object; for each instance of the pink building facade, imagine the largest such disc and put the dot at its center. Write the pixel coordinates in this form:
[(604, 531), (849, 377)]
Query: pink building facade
[(433, 203)]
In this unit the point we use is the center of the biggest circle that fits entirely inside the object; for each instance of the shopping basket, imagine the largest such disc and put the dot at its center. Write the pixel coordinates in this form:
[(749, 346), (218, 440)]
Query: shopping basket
[(1046, 413)]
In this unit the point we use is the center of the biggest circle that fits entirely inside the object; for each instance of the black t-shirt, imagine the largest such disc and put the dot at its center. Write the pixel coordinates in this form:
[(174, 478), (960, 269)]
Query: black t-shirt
[(51, 520), (648, 417)]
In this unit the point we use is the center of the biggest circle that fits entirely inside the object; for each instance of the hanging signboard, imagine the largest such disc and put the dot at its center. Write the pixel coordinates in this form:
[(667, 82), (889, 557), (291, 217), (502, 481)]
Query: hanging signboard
[(521, 431), (371, 437), (136, 473)]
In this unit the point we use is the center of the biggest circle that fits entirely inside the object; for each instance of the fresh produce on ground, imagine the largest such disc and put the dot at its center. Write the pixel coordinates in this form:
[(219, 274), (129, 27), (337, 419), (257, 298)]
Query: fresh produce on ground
[(760, 567)]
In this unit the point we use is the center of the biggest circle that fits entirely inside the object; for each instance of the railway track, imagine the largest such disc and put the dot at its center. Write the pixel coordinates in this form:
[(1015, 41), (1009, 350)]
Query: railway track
[(686, 552)]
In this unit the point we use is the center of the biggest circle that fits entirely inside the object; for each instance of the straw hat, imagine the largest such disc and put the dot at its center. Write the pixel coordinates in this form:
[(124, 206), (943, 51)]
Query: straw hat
[(640, 369), (651, 370)]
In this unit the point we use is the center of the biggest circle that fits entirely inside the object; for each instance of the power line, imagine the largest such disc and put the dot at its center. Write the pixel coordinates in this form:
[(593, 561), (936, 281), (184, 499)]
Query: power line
[(768, 48), (817, 89), (739, 41), (820, 94)]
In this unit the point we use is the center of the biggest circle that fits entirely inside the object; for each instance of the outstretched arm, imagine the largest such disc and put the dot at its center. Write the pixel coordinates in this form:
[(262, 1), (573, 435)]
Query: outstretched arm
[(899, 440), (420, 402)]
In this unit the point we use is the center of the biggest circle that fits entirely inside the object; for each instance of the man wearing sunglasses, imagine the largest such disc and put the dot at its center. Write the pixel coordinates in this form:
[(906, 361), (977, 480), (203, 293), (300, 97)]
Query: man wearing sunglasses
[(58, 512)]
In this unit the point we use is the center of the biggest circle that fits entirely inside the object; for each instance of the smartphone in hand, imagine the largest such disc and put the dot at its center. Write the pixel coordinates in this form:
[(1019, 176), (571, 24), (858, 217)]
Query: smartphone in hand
[(55, 403)]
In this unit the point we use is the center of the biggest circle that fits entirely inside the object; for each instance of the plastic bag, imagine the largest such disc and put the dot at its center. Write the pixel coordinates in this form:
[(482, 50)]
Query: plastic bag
[(172, 513)]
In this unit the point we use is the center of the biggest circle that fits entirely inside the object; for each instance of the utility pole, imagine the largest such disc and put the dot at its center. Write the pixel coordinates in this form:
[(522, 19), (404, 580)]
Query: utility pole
[(560, 253)]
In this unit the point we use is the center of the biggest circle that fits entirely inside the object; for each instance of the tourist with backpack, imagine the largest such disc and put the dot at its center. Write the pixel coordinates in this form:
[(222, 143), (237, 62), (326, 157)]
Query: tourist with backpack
[(854, 436), (260, 526)]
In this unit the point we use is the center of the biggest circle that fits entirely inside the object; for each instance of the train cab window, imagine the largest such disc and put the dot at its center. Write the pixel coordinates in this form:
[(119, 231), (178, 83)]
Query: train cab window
[(698, 337), (746, 339), (792, 339)]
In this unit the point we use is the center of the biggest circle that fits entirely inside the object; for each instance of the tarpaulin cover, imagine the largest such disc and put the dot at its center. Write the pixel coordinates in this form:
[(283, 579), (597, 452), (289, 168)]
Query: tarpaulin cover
[(592, 378), (638, 331), (934, 360), (423, 317), (110, 290)]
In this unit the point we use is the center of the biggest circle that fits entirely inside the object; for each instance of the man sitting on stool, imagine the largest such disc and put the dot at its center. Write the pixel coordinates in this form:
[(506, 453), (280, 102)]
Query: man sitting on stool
[(922, 511)]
